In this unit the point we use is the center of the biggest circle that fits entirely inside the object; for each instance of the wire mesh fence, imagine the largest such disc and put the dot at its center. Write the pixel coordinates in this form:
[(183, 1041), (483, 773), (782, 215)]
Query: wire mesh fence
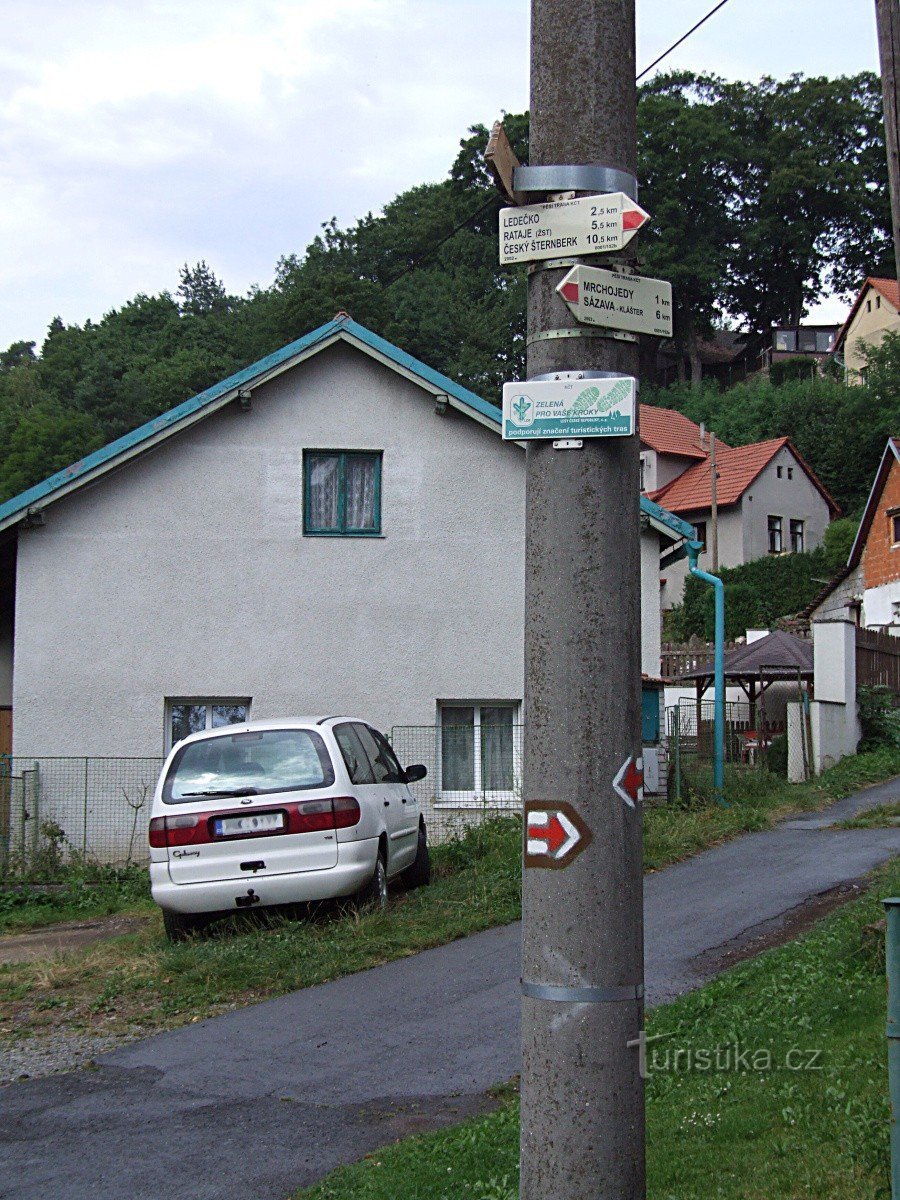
[(474, 772), (689, 732), (62, 808)]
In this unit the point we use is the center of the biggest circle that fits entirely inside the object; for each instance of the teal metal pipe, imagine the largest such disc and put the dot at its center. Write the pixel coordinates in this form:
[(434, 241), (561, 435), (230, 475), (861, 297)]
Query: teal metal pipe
[(693, 550), (892, 956)]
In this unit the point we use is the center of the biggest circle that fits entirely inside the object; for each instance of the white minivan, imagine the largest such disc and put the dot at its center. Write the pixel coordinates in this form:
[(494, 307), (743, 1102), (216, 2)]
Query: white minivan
[(277, 812)]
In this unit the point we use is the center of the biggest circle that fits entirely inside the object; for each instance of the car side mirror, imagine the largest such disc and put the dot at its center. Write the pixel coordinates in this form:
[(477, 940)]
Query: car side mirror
[(415, 773)]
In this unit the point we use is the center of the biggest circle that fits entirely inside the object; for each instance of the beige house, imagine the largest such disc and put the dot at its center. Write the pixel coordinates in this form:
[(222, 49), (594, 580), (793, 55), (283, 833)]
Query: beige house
[(875, 312)]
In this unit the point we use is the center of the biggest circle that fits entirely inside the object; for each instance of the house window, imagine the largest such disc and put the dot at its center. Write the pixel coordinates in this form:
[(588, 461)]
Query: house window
[(895, 612), (895, 528), (779, 471), (785, 340), (863, 375), (796, 537), (807, 341), (775, 538), (480, 751), (868, 306), (341, 493), (186, 715), (643, 474), (824, 341), (700, 531), (790, 472)]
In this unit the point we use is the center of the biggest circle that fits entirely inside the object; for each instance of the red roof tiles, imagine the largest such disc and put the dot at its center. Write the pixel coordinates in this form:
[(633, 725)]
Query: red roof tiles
[(671, 432), (889, 288), (736, 467)]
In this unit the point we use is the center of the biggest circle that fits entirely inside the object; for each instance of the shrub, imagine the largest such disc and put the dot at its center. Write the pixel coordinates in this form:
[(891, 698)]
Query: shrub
[(879, 719)]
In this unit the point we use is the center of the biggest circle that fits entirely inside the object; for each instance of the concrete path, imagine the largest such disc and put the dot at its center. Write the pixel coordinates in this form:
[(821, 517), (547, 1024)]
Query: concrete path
[(256, 1103)]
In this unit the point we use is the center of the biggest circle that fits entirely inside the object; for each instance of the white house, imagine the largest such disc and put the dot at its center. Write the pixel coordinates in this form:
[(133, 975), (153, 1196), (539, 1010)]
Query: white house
[(336, 528), (769, 499)]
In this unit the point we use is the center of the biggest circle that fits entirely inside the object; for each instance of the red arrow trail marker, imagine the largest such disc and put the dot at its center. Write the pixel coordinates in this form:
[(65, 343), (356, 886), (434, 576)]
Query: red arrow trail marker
[(629, 782), (555, 834)]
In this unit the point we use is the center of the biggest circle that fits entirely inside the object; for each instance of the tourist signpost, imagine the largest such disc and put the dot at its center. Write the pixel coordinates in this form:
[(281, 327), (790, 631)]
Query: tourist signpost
[(618, 301), (586, 225)]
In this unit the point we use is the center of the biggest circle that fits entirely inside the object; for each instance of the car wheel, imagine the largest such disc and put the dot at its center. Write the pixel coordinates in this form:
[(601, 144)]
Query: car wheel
[(418, 873), (179, 926), (373, 896)]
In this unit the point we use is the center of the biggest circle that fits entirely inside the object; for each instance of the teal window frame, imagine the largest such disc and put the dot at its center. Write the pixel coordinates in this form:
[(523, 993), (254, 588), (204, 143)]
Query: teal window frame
[(342, 456)]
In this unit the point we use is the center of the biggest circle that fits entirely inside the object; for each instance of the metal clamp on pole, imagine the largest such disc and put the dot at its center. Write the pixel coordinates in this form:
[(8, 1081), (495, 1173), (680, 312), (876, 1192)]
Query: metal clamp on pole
[(588, 177), (552, 335), (582, 995)]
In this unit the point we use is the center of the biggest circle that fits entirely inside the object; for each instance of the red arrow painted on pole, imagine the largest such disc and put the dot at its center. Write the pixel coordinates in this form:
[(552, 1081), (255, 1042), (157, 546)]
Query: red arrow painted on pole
[(552, 833), (555, 834), (629, 782)]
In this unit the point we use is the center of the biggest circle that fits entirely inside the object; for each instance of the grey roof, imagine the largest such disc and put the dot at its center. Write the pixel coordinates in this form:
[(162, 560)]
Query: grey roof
[(776, 653)]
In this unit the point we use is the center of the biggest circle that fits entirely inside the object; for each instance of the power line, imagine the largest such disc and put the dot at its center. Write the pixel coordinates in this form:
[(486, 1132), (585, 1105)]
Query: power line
[(683, 38), (431, 249), (496, 199)]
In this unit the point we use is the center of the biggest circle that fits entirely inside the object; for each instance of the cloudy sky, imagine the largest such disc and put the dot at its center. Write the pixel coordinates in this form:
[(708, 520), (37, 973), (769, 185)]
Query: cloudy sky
[(136, 135)]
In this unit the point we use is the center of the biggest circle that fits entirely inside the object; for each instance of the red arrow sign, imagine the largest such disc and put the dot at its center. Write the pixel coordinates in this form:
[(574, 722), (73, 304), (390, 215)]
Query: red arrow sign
[(633, 218), (555, 834), (569, 291), (629, 782), (552, 833)]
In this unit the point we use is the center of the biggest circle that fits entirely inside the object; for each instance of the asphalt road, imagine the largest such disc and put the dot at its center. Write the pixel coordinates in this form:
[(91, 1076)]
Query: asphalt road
[(253, 1104)]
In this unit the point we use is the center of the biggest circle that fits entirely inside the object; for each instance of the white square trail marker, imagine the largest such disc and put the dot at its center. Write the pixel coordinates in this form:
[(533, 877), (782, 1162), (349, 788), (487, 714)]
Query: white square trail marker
[(585, 225), (569, 408), (631, 302)]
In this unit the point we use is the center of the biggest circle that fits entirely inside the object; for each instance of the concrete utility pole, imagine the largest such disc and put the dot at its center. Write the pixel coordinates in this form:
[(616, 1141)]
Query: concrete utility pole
[(887, 15), (582, 1094)]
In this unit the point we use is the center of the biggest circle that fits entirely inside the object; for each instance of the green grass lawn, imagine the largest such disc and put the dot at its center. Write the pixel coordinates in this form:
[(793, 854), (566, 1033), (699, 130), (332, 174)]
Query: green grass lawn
[(754, 1129), (883, 815), (139, 980)]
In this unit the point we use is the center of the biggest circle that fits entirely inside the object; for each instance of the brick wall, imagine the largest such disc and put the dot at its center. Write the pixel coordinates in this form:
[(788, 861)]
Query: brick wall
[(880, 560)]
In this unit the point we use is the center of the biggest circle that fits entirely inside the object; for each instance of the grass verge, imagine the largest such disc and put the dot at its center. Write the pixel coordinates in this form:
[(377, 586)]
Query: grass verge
[(139, 981), (82, 892), (883, 815), (792, 1101)]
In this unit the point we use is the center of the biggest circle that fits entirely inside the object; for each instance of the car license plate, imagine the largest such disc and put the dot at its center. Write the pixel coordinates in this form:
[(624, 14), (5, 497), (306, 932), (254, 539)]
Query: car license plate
[(249, 823)]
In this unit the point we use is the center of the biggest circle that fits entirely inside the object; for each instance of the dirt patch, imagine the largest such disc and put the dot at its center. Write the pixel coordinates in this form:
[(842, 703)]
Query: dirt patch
[(777, 931), (68, 935)]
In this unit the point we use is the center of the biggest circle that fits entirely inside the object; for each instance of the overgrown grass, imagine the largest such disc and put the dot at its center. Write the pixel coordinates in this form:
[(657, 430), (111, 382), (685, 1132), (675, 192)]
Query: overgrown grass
[(85, 891), (883, 815), (755, 799), (139, 980), (746, 1128)]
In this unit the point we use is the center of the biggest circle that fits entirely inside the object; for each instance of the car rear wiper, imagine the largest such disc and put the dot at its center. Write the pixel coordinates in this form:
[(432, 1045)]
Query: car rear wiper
[(241, 791)]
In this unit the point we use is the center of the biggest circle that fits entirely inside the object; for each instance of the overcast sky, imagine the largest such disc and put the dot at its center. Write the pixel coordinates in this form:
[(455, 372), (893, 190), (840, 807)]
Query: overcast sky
[(140, 134)]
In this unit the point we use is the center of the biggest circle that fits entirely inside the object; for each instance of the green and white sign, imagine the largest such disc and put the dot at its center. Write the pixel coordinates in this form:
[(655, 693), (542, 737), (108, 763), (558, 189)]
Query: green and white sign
[(569, 408)]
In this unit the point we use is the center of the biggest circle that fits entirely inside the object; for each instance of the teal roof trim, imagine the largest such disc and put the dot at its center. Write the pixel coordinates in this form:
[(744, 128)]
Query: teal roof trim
[(19, 505), (678, 527)]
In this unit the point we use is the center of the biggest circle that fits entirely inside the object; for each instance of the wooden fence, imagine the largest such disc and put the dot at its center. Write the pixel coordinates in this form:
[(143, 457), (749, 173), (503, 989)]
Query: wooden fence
[(678, 658), (877, 660)]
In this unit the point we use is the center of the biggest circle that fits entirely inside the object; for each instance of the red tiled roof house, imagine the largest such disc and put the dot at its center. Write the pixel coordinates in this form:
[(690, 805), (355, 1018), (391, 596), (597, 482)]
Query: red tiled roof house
[(769, 500)]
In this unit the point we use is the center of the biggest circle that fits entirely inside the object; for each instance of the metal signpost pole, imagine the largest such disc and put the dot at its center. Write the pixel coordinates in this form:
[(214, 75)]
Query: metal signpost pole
[(582, 1091)]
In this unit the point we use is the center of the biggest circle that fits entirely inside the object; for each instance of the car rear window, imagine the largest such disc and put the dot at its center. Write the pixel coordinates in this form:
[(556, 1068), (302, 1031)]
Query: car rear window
[(253, 763)]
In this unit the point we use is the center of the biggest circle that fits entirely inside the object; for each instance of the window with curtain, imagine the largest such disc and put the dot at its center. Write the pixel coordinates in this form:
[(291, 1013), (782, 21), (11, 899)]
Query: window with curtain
[(480, 753), (342, 493)]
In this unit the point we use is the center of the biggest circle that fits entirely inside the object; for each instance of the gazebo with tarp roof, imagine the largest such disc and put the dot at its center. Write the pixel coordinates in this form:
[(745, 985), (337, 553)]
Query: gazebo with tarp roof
[(778, 657)]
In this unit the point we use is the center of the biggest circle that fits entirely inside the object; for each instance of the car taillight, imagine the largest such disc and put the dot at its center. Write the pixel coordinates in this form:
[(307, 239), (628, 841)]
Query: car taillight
[(173, 831), (158, 833), (305, 816), (346, 812)]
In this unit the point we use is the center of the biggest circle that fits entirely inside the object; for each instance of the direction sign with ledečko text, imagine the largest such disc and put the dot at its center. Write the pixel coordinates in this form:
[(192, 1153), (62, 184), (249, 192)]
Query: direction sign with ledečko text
[(586, 225), (555, 834), (569, 408), (630, 302)]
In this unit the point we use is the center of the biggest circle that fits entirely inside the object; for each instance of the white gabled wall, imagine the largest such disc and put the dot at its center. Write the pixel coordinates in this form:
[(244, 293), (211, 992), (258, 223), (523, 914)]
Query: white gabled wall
[(186, 573)]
